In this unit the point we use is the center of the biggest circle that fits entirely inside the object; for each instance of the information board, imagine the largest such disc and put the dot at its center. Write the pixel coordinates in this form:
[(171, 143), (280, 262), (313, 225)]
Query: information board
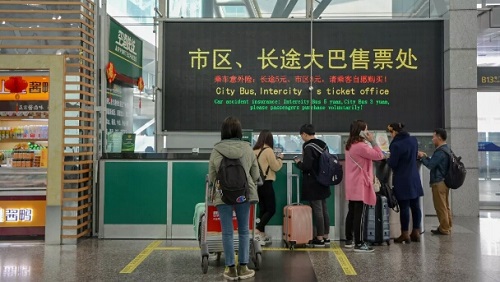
[(260, 72)]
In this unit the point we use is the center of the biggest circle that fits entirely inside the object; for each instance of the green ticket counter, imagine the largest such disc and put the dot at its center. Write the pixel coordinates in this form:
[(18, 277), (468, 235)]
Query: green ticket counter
[(144, 198)]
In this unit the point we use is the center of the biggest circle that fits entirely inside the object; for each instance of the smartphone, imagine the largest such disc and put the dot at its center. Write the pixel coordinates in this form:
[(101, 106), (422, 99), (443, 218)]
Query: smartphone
[(363, 134)]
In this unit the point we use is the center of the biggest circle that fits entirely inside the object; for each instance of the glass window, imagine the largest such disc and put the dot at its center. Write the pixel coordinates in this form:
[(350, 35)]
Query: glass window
[(138, 17), (298, 9)]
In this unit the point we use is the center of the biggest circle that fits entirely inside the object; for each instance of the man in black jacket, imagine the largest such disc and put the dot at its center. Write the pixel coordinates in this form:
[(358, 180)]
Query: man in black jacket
[(312, 190)]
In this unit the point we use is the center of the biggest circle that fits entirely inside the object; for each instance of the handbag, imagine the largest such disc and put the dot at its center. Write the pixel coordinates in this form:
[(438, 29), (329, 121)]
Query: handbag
[(392, 202), (376, 182)]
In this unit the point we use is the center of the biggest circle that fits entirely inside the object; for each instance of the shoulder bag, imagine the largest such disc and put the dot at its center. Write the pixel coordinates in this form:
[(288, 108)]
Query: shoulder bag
[(263, 176)]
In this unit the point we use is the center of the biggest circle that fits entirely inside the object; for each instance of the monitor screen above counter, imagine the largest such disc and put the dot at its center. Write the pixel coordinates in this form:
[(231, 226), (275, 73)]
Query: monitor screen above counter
[(378, 71)]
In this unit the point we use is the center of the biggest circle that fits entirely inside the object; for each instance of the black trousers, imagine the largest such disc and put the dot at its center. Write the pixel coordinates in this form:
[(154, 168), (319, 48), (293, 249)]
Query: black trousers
[(267, 204), (354, 222), (321, 217)]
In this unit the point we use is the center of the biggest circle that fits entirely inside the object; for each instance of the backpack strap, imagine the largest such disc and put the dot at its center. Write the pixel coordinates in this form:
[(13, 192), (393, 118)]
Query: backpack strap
[(317, 147), (220, 153), (217, 168), (450, 158), (268, 166)]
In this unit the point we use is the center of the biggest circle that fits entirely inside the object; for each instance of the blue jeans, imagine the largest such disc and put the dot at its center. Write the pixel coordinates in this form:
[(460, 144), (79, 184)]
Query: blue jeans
[(226, 221)]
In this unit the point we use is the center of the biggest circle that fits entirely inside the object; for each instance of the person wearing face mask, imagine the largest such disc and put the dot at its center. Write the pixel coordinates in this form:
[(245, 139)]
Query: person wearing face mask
[(360, 150), (406, 181)]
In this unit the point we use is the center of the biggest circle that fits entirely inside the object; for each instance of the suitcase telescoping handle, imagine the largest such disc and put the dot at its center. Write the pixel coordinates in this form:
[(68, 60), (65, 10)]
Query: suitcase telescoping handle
[(289, 189)]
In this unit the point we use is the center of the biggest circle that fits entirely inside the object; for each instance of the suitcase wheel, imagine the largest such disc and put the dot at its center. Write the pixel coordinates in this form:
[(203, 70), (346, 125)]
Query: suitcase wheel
[(204, 264), (286, 244), (257, 261)]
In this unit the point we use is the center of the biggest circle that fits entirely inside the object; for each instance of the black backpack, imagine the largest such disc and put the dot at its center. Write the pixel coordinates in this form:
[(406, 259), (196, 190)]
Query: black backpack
[(330, 170), (455, 177), (232, 181)]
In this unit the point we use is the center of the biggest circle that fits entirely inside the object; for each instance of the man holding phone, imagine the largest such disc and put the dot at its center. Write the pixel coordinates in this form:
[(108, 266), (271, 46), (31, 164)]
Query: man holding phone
[(312, 190)]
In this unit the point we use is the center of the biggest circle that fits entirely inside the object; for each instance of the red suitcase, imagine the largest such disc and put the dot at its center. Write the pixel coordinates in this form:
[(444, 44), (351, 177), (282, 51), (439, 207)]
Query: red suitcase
[(297, 220)]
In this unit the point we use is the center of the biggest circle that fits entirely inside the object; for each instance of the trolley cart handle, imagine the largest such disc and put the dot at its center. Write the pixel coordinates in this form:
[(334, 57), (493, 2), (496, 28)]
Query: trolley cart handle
[(289, 189), (209, 191)]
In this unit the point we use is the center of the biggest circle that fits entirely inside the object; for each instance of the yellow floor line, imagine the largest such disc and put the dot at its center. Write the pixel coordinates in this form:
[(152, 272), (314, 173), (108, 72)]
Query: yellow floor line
[(177, 249), (335, 248), (298, 249), (343, 260), (140, 257), (264, 249)]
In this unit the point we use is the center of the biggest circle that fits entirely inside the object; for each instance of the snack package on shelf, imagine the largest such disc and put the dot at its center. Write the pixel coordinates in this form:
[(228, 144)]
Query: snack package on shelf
[(44, 156), (27, 155)]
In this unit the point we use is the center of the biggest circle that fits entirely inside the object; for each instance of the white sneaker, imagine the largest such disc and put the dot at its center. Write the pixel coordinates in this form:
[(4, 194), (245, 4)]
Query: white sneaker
[(212, 256), (267, 240), (259, 239)]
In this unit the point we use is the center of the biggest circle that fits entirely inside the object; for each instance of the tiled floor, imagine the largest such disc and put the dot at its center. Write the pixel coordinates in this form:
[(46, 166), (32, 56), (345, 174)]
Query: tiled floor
[(489, 193), (471, 253)]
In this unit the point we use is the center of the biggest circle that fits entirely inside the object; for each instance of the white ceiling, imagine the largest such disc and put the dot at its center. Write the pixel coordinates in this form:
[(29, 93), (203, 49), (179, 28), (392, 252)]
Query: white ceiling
[(488, 38)]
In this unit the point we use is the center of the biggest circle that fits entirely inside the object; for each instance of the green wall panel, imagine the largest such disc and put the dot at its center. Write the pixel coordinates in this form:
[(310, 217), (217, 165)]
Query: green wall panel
[(188, 186), (188, 189), (280, 190), (135, 193)]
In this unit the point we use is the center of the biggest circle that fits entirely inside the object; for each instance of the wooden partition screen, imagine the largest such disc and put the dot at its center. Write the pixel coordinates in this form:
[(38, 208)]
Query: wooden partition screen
[(65, 28)]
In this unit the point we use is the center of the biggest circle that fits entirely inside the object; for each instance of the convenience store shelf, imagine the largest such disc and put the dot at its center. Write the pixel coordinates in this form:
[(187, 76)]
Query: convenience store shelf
[(17, 181), (5, 170), (22, 140), (24, 118)]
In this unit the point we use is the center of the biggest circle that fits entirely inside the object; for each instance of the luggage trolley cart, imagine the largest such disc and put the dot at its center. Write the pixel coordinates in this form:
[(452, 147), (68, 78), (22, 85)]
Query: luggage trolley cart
[(211, 233)]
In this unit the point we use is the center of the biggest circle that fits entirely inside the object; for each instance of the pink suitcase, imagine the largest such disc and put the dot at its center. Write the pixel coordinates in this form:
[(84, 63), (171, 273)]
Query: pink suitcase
[(297, 220)]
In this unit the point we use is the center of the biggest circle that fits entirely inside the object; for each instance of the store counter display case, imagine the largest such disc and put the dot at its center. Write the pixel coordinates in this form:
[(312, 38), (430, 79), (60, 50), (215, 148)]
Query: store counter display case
[(22, 201)]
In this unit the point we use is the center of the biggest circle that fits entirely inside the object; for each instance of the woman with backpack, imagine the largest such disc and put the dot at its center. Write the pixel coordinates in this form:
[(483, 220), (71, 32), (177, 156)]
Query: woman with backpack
[(231, 149), (406, 181), (269, 164), (360, 152)]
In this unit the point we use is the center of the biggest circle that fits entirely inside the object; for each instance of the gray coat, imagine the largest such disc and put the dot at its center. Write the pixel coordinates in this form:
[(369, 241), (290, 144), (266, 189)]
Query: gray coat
[(235, 149)]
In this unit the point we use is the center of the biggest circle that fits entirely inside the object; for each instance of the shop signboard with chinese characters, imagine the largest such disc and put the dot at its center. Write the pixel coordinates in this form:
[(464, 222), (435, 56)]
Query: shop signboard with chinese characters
[(125, 51), (22, 213), (123, 71), (33, 102), (378, 71)]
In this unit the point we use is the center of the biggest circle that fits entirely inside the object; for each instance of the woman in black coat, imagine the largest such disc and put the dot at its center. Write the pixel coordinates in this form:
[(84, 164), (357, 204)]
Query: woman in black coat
[(406, 181)]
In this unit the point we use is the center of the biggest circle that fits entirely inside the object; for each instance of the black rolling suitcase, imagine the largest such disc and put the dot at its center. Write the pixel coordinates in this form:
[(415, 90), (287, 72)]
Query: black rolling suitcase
[(376, 223)]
